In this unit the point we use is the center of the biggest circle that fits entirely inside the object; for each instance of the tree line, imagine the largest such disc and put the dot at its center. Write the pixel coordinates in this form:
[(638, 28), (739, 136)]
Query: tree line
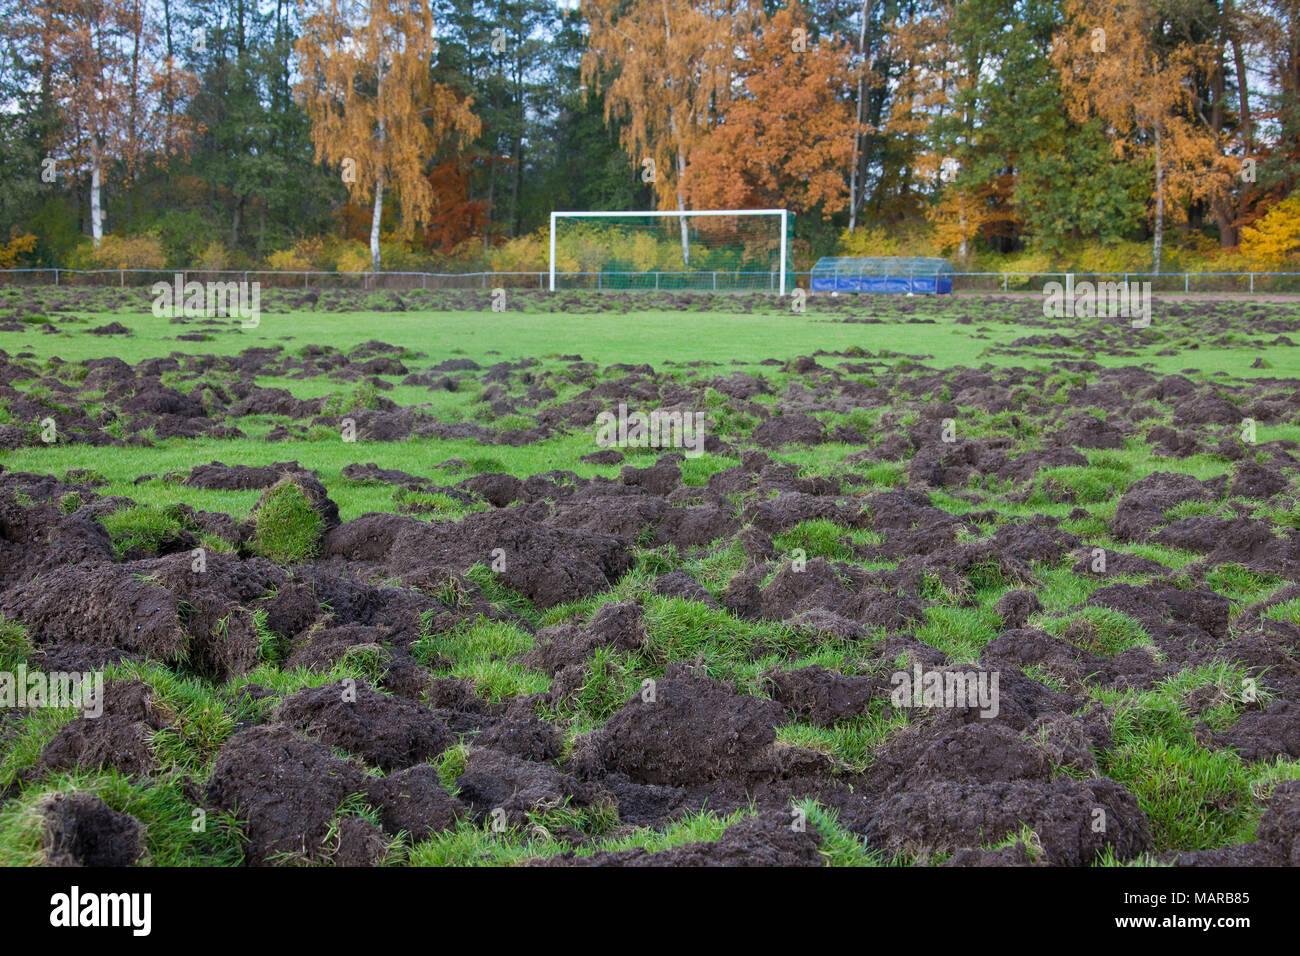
[(417, 133)]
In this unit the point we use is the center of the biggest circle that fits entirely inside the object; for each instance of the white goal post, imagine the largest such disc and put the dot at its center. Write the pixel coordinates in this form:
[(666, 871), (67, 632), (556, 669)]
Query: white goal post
[(782, 215)]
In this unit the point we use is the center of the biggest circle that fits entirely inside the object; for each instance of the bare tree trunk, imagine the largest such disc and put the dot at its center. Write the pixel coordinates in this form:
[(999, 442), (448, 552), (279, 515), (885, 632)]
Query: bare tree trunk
[(1221, 205), (516, 185), (96, 182), (374, 221), (1243, 108), (681, 207), (170, 103), (854, 185), (492, 188), (681, 156), (1157, 246), (378, 213)]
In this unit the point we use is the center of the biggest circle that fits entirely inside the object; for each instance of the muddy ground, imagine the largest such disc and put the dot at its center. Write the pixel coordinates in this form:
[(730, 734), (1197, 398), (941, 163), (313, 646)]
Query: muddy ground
[(1119, 547)]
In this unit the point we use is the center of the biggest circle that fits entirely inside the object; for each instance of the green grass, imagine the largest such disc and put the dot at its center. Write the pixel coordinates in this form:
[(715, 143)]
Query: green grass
[(15, 645), (287, 527), (1288, 611), (141, 529), (469, 844), (174, 834), (822, 538), (481, 651), (960, 632), (1100, 630), (1194, 798), (851, 743)]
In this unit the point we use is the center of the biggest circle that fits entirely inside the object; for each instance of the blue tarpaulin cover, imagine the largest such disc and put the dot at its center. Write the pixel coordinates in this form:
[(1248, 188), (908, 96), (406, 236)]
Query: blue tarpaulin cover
[(882, 274)]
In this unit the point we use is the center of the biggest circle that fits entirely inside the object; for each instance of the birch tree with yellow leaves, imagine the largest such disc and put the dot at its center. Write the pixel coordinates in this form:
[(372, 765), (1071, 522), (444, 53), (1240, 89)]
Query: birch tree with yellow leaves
[(375, 111), (1112, 68), (668, 65)]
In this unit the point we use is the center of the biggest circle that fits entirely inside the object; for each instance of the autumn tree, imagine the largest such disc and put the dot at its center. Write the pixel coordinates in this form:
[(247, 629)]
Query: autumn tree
[(667, 67), (1112, 68), (375, 111), (458, 218), (1273, 28), (880, 160), (928, 84), (786, 135), (107, 71)]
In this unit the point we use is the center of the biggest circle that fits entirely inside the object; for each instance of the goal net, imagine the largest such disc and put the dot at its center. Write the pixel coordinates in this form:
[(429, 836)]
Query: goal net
[(727, 249)]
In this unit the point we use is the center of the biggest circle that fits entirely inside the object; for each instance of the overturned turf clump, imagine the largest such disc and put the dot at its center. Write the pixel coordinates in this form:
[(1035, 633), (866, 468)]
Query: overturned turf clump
[(290, 519)]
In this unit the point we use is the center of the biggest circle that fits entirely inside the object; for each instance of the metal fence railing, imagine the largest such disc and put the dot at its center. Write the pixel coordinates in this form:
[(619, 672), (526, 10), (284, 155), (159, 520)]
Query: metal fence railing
[(700, 280)]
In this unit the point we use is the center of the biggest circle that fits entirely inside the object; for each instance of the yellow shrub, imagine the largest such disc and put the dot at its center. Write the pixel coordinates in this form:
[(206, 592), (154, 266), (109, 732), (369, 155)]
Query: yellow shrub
[(311, 252), (305, 256), (287, 260), (1273, 240), (1034, 262), (869, 242), (215, 256), (398, 256), (523, 254), (1117, 257), (645, 252), (18, 246), (128, 252), (905, 239), (353, 258)]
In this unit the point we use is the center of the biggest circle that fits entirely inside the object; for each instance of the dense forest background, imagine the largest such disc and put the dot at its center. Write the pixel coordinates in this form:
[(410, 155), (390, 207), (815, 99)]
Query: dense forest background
[(1133, 135)]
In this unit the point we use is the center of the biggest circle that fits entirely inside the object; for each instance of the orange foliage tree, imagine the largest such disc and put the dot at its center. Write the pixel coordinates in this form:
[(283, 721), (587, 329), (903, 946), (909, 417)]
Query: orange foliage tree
[(786, 136), (112, 83), (458, 217), (668, 66), (1112, 68)]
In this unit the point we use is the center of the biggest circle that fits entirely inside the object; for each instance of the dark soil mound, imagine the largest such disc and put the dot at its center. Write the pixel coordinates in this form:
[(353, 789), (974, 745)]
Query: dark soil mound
[(500, 786), (387, 732), (415, 802), (823, 697), (686, 730), (82, 830), (285, 787), (222, 477), (118, 739), (768, 839)]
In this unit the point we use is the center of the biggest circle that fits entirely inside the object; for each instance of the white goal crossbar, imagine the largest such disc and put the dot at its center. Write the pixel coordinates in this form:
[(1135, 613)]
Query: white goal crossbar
[(677, 214)]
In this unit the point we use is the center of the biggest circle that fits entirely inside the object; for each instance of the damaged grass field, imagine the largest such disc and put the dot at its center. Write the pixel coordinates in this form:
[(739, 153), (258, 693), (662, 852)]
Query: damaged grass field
[(365, 589)]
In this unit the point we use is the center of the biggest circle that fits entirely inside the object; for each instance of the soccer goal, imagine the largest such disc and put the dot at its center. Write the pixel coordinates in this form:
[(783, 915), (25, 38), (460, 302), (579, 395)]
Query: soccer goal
[(696, 249)]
